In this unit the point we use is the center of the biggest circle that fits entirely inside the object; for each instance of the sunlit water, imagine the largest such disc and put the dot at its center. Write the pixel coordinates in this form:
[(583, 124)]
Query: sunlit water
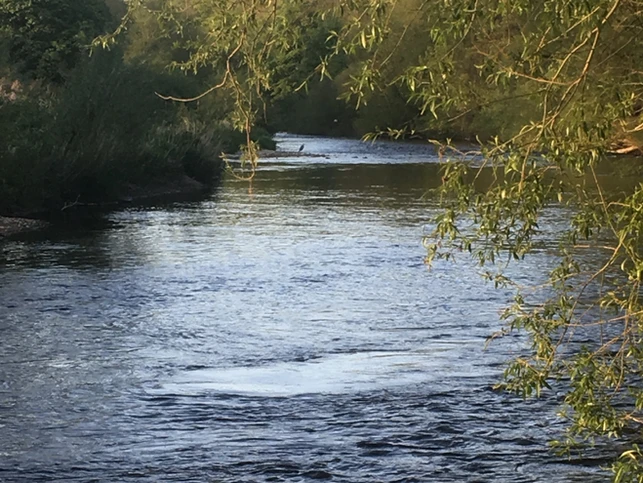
[(287, 331)]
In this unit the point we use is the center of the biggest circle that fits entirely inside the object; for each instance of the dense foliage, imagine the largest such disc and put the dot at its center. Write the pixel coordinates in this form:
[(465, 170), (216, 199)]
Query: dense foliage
[(88, 142), (80, 129), (256, 51), (46, 37)]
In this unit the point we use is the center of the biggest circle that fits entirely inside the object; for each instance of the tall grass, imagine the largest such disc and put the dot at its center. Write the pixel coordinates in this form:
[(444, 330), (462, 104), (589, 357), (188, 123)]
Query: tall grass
[(103, 131)]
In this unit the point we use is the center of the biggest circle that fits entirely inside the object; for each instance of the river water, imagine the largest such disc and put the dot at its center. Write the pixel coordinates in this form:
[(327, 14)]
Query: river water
[(287, 331)]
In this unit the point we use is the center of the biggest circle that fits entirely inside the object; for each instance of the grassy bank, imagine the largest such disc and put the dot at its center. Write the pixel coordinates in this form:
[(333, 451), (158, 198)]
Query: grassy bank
[(101, 135)]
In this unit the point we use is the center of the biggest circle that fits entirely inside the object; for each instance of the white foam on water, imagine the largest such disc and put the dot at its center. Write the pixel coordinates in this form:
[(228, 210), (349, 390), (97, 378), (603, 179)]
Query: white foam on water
[(335, 373)]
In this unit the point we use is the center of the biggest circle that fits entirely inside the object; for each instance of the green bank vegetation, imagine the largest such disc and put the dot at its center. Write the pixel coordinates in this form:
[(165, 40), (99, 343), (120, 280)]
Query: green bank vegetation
[(548, 89), (84, 126)]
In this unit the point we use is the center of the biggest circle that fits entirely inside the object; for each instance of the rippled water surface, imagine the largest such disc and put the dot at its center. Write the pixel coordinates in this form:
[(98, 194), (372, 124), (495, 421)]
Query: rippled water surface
[(287, 331)]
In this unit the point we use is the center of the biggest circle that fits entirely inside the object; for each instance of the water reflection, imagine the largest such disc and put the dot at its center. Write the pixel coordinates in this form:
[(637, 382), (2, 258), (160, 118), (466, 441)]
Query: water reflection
[(289, 335)]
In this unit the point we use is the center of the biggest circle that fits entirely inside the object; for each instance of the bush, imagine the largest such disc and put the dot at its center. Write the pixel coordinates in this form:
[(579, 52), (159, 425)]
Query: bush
[(104, 130), (233, 140)]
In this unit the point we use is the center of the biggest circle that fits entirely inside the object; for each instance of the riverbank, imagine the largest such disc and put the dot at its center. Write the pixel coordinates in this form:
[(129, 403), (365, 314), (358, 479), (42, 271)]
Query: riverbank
[(14, 225), (17, 223)]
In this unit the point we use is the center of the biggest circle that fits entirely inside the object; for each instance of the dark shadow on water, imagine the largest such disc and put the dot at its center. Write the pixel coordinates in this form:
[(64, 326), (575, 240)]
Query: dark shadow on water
[(83, 235)]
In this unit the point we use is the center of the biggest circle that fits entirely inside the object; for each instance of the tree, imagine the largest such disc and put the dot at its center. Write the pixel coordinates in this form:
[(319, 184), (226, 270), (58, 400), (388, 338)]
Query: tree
[(45, 37), (234, 39), (572, 66)]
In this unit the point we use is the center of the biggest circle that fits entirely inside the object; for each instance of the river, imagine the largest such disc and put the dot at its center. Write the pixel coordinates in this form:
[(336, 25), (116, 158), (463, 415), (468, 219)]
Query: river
[(287, 331)]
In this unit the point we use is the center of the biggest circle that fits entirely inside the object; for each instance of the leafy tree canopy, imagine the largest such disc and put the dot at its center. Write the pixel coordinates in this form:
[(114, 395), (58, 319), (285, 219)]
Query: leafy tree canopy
[(45, 37)]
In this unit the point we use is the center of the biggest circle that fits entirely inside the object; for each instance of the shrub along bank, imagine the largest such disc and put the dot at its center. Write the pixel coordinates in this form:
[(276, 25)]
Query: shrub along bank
[(101, 134)]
